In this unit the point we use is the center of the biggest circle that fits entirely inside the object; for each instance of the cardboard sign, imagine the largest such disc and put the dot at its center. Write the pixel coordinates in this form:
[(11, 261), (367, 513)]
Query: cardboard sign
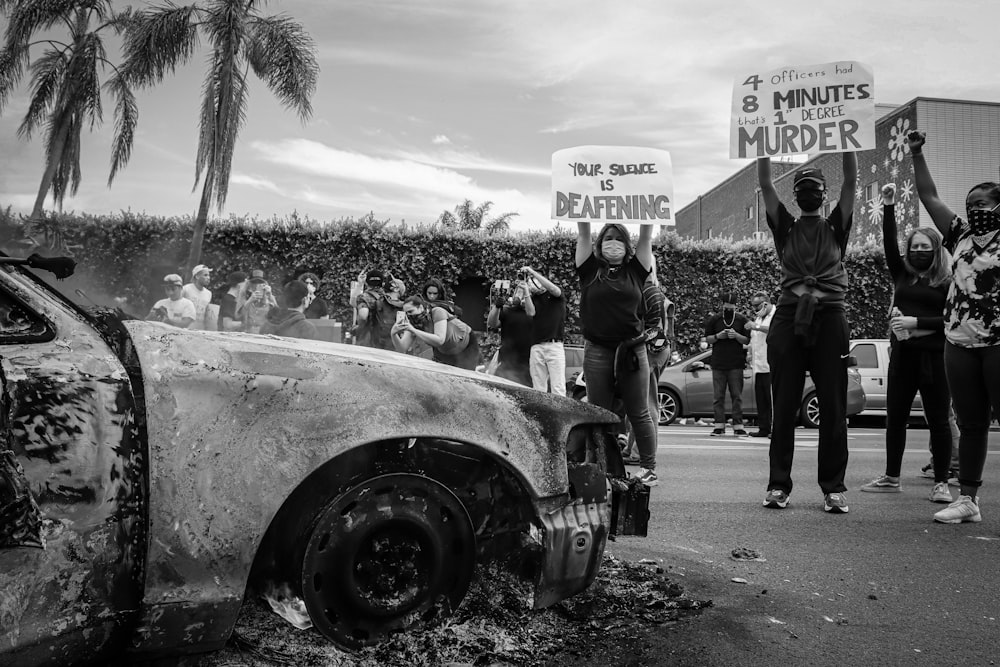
[(827, 108), (625, 184)]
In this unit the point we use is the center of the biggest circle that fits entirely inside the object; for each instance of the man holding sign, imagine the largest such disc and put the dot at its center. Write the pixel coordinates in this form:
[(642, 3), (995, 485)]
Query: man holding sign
[(809, 331)]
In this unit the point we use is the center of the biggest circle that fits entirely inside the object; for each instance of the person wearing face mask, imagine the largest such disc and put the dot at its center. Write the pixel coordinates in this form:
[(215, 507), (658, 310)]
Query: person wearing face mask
[(727, 333), (921, 280), (316, 307), (612, 274), (512, 316), (452, 340), (809, 331), (764, 311), (971, 322)]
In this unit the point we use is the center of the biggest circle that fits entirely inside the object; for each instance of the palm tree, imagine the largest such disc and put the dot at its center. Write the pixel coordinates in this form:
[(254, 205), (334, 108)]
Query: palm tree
[(469, 216), (276, 48), (65, 84)]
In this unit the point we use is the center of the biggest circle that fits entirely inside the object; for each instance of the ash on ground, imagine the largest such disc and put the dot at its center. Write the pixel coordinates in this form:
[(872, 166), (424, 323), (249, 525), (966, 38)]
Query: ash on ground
[(494, 626)]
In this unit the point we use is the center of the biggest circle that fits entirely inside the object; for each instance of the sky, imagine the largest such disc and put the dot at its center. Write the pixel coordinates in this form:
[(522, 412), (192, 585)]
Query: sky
[(421, 104)]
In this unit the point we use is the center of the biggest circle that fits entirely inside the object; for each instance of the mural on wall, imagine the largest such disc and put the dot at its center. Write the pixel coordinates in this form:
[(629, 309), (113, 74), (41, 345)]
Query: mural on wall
[(892, 164)]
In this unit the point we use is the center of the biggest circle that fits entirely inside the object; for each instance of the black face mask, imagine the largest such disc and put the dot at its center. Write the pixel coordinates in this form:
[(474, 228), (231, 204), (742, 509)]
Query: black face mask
[(921, 260), (983, 221), (809, 200), (728, 311), (418, 319)]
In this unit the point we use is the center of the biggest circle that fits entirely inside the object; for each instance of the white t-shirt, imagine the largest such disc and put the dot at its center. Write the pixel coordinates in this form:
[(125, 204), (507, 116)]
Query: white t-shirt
[(176, 310), (758, 342), (200, 297)]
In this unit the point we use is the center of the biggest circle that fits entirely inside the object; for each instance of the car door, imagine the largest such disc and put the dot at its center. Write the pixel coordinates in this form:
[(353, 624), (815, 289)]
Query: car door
[(72, 483), (871, 368)]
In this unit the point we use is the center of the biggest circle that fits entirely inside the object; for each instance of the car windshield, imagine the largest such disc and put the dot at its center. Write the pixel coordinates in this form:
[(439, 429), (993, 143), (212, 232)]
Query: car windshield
[(71, 290)]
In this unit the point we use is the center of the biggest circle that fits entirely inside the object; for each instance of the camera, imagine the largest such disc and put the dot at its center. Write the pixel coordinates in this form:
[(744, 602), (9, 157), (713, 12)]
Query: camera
[(500, 291), (522, 276)]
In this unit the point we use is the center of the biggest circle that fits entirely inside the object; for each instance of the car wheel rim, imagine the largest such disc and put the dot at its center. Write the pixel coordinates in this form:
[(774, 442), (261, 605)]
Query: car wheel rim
[(385, 555), (812, 410), (668, 407)]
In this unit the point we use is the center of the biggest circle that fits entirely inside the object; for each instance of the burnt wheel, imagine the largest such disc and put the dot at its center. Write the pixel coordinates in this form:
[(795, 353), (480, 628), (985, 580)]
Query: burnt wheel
[(385, 555)]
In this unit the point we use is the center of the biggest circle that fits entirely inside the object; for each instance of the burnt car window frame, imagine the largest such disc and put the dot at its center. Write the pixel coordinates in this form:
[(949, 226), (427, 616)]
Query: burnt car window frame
[(48, 332)]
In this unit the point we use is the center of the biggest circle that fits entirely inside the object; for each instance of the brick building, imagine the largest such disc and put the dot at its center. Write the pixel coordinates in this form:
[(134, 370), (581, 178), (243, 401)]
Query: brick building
[(963, 149)]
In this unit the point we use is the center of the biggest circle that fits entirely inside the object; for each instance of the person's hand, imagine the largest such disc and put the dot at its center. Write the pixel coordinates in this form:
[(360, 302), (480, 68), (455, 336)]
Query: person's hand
[(889, 194), (722, 335), (398, 287), (527, 270), (915, 141), (901, 322)]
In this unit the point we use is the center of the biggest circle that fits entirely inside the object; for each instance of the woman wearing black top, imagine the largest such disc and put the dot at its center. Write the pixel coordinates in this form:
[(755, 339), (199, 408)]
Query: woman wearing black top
[(916, 361), (612, 275)]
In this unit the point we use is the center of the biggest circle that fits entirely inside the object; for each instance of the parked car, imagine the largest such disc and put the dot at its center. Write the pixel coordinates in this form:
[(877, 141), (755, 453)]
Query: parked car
[(872, 355), (150, 476), (685, 390)]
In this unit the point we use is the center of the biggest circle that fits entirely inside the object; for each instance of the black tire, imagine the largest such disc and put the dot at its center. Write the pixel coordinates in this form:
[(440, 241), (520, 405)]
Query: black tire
[(669, 406), (809, 412), (385, 555)]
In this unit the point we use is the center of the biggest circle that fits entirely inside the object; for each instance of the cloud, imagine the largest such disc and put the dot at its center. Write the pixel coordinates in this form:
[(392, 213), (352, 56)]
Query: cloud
[(440, 139)]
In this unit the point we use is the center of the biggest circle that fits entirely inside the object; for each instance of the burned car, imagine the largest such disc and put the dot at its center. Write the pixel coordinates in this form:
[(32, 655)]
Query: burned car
[(149, 475)]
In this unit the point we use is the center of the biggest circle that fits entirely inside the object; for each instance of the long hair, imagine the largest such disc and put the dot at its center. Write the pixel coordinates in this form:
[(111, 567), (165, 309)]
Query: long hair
[(939, 272), (435, 282), (603, 264)]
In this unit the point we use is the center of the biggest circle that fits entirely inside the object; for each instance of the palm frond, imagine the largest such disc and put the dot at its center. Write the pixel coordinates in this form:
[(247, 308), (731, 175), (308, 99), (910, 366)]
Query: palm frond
[(84, 89), (13, 61), (30, 16), (47, 75), (157, 41), (207, 128), (126, 119), (283, 55), (231, 126)]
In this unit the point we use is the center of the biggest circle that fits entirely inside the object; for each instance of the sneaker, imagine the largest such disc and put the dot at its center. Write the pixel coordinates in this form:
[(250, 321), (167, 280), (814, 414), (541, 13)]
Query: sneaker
[(953, 478), (647, 477), (740, 433), (835, 503), (776, 499), (719, 431), (760, 434), (928, 471), (882, 484), (962, 510), (941, 493)]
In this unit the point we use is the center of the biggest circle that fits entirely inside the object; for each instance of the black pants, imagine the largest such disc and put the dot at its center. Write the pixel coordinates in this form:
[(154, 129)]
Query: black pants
[(974, 379), (826, 361), (762, 394), (911, 370)]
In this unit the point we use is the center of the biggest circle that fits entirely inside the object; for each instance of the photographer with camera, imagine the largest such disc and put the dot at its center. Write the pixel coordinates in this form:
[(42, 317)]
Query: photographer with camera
[(727, 333), (375, 307), (547, 361), (452, 340), (258, 301), (512, 312), (174, 310)]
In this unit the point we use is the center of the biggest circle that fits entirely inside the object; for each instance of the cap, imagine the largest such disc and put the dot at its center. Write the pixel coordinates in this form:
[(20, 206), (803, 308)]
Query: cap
[(727, 297), (809, 175), (374, 276), (173, 279), (257, 276), (198, 269), (235, 278)]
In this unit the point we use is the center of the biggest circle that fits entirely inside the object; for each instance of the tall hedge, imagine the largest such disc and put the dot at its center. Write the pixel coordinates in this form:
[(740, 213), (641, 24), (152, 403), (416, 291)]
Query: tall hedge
[(128, 255)]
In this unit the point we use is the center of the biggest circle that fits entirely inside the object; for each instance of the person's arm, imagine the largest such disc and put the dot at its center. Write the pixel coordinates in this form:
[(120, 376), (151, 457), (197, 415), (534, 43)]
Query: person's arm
[(584, 243), (767, 191), (740, 333), (847, 189), (890, 244), (401, 337), (528, 303), (493, 319), (440, 333), (926, 189), (711, 336), (549, 286), (644, 251)]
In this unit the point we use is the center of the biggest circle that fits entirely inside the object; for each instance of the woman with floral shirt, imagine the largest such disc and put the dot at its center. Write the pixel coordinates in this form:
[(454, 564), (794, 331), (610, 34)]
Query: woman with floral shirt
[(971, 322)]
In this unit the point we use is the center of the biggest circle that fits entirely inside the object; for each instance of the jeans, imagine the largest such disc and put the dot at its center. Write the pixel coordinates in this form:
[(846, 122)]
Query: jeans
[(762, 394), (547, 365), (731, 379), (974, 378), (790, 358), (632, 385), (912, 370)]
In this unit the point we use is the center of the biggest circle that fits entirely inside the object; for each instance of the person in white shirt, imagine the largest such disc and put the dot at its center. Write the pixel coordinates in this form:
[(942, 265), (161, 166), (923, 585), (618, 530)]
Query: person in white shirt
[(174, 310), (198, 293), (764, 311)]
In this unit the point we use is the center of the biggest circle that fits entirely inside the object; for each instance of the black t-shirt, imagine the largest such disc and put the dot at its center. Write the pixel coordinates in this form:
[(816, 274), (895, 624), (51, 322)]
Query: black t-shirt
[(609, 308), (515, 335), (811, 250), (317, 309), (550, 317), (727, 353), (227, 308)]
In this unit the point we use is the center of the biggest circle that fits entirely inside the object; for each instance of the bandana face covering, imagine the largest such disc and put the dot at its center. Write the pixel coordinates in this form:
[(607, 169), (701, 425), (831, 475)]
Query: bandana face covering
[(984, 223)]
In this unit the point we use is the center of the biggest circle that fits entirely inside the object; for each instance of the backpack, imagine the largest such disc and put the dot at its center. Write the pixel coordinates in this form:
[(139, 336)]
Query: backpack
[(381, 317)]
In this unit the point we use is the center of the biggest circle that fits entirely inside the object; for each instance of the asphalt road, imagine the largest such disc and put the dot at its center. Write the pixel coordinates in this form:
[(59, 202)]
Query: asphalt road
[(882, 585)]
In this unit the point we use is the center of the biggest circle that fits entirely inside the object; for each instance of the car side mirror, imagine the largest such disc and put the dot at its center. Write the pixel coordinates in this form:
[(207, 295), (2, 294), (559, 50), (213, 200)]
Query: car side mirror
[(852, 361), (697, 366)]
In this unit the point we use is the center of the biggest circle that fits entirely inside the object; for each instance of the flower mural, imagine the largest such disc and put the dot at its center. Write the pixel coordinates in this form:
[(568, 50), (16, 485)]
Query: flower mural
[(898, 147)]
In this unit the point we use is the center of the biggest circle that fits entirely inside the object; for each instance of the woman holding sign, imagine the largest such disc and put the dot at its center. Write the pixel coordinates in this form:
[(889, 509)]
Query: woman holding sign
[(612, 274), (809, 331), (971, 323)]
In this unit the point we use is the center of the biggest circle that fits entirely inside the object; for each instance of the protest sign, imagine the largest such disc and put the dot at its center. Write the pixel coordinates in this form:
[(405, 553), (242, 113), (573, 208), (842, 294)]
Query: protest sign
[(625, 184), (828, 108)]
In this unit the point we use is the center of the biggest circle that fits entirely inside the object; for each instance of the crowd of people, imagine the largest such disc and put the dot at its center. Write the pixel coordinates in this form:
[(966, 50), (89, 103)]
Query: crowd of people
[(944, 328)]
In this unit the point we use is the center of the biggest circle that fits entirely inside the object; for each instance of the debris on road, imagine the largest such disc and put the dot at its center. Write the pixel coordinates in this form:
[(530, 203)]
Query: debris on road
[(745, 553)]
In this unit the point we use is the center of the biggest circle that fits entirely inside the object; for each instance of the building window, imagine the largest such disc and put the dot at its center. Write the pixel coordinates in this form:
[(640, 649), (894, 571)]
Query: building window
[(750, 212), (871, 190)]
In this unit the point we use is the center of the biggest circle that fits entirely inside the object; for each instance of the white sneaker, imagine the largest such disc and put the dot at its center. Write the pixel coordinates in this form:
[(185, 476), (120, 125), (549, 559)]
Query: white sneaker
[(647, 477), (965, 509), (941, 493)]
